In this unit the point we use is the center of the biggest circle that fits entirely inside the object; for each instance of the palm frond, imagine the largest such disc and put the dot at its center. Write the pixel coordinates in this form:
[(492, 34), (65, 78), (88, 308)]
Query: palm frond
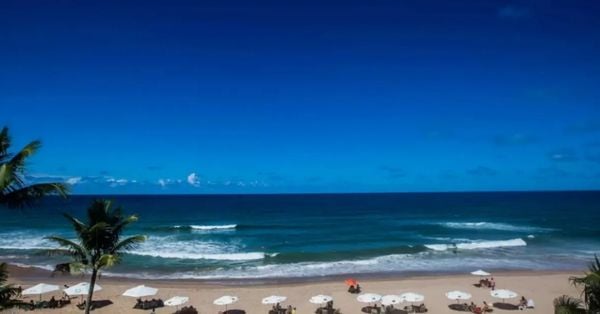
[(567, 305), (118, 228), (3, 273), (4, 143), (129, 243), (70, 248), (17, 162), (77, 224), (107, 260), (27, 195)]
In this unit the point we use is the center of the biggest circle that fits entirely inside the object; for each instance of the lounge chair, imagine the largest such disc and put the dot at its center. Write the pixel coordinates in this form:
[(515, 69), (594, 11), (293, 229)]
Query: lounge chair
[(530, 304)]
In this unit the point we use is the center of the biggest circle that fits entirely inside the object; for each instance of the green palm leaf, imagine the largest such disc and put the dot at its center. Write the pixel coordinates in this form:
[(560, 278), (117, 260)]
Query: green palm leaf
[(14, 192)]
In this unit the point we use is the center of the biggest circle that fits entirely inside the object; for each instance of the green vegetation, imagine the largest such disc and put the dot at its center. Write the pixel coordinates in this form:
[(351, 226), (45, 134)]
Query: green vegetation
[(99, 241), (14, 191)]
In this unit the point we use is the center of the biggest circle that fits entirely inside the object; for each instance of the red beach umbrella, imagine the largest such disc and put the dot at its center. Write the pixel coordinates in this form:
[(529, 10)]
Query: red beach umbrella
[(351, 282)]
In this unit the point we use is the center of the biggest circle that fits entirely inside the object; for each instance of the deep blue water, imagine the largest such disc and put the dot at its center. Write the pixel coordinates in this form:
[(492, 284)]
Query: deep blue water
[(282, 236)]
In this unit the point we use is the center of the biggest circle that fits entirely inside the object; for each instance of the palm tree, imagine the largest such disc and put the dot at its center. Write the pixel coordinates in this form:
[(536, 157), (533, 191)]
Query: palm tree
[(568, 305), (99, 241), (591, 286), (7, 292), (14, 191)]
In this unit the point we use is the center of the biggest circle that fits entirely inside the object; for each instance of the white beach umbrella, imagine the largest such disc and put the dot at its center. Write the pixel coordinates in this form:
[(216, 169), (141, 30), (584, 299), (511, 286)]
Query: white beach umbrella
[(391, 299), (458, 295), (81, 288), (368, 298), (274, 299), (40, 289), (412, 297), (176, 301), (225, 300), (503, 294), (320, 299), (480, 272), (140, 291)]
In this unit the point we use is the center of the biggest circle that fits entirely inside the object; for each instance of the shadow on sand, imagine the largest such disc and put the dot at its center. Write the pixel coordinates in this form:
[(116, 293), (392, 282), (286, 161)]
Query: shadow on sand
[(458, 307), (506, 306)]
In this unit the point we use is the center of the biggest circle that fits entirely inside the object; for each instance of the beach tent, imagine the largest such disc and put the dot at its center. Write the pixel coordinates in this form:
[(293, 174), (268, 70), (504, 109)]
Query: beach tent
[(81, 288), (480, 273), (368, 298), (391, 299), (274, 299), (503, 294), (40, 289), (458, 295), (225, 300), (320, 299), (140, 291), (176, 301)]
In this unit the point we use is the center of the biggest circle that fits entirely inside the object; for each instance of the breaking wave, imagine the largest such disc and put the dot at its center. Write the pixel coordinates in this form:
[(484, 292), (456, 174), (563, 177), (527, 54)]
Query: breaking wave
[(492, 226), (477, 245)]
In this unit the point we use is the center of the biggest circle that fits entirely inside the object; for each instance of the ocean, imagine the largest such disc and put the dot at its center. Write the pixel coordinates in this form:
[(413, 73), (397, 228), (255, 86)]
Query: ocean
[(272, 237)]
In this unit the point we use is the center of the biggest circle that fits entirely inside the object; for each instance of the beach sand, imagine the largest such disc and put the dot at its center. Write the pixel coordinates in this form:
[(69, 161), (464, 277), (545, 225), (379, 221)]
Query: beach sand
[(542, 287)]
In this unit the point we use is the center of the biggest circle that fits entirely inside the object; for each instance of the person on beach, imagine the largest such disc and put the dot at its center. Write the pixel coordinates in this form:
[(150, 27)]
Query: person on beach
[(492, 284), (522, 303), (486, 307)]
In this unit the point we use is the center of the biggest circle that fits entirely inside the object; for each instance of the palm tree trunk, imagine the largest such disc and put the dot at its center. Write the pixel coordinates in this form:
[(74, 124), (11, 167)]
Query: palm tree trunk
[(88, 303)]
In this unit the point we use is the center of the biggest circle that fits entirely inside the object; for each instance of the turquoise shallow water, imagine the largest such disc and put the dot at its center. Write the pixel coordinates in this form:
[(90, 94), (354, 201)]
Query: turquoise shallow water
[(292, 236)]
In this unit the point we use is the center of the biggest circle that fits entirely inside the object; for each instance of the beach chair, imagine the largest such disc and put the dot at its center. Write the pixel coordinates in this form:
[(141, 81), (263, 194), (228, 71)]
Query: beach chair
[(530, 304)]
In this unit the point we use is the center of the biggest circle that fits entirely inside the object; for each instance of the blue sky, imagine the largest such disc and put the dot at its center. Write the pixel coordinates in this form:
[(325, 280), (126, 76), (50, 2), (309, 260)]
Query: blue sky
[(301, 96)]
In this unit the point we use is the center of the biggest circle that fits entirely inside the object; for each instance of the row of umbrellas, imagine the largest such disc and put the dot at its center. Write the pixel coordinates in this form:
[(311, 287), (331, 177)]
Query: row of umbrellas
[(500, 294), (143, 291), (83, 288)]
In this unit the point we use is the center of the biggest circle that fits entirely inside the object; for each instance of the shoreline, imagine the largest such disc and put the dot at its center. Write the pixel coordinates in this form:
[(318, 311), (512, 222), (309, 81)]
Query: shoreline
[(32, 273)]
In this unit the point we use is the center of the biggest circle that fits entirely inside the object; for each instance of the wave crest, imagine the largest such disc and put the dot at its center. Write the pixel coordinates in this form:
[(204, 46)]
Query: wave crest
[(206, 227), (477, 245), (483, 225)]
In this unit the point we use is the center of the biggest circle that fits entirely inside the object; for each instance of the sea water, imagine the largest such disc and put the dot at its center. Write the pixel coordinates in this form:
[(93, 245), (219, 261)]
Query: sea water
[(220, 237)]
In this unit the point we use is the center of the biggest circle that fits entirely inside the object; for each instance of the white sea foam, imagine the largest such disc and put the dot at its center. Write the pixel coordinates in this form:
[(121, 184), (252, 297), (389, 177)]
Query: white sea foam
[(477, 245), (206, 227), (422, 262), (222, 257), (483, 225), (171, 247)]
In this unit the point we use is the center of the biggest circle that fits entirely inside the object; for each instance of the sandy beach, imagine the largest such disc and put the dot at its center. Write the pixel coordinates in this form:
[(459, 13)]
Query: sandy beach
[(542, 287)]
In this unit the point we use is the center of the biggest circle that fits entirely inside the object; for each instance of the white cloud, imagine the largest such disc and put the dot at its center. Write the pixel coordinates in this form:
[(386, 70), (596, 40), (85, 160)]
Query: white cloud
[(74, 180), (112, 182), (193, 179)]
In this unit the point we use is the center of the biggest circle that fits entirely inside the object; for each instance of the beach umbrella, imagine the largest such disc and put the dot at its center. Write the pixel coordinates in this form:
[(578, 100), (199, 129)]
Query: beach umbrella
[(140, 291), (412, 297), (81, 288), (480, 273), (40, 289), (320, 299), (176, 301), (274, 299), (391, 299), (368, 298), (225, 300), (503, 294), (458, 295), (351, 282)]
